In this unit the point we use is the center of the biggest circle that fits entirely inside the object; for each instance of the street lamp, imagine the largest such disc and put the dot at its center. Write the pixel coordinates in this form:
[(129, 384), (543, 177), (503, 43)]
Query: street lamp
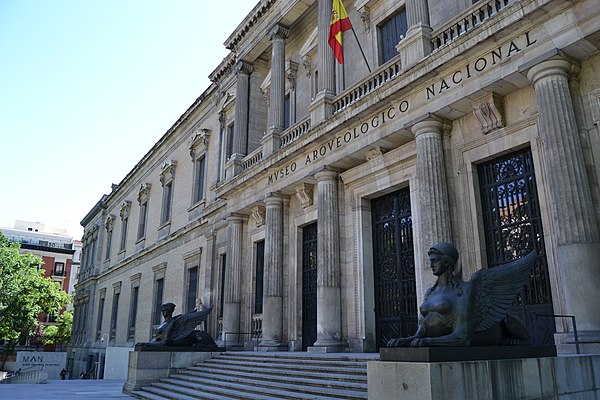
[(105, 350)]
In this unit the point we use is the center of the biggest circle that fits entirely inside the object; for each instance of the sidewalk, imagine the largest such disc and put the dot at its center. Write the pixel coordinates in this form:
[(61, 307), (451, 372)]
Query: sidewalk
[(77, 389)]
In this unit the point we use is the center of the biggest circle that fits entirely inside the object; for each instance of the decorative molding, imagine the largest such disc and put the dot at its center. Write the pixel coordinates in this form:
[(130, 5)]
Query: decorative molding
[(117, 287), (258, 214), (365, 16), (125, 209), (373, 153), (110, 222), (489, 111), (307, 65), (252, 19), (595, 102), (199, 143), (144, 192), (291, 71), (167, 171), (304, 194), (135, 279), (159, 269)]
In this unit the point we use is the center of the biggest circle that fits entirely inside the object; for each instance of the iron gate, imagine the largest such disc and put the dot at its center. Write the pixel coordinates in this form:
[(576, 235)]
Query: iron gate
[(394, 267), (513, 228), (309, 285)]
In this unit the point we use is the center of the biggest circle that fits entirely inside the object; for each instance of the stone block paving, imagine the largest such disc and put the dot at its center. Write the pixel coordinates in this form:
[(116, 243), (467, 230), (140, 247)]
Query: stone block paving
[(65, 390)]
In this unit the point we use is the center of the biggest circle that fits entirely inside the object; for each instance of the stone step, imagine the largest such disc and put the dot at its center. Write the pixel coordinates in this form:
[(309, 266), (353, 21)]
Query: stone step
[(240, 364), (266, 376), (284, 375), (250, 390), (340, 362), (309, 385)]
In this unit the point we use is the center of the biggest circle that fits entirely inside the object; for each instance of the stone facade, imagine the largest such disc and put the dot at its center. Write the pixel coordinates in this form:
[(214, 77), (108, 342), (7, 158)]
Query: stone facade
[(472, 83)]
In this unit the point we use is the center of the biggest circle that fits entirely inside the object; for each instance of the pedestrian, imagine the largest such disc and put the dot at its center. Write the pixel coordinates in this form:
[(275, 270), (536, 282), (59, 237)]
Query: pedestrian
[(63, 374)]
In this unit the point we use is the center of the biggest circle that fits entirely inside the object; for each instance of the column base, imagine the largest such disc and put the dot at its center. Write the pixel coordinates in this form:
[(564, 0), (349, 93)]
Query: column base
[(321, 108), (415, 46), (270, 141), (327, 349)]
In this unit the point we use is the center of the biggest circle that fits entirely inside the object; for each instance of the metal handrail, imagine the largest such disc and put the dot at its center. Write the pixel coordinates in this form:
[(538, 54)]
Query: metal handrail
[(574, 326), (239, 333)]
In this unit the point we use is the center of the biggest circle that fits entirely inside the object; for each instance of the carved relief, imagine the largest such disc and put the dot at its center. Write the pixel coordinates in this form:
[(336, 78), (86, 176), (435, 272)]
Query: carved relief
[(199, 143), (373, 153), (144, 192), (291, 70), (490, 112), (304, 193), (110, 222), (365, 16), (125, 209), (258, 214), (168, 171)]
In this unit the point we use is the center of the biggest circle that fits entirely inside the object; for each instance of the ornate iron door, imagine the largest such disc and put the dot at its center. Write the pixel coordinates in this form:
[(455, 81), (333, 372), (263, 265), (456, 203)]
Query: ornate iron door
[(513, 228), (309, 285), (394, 267)]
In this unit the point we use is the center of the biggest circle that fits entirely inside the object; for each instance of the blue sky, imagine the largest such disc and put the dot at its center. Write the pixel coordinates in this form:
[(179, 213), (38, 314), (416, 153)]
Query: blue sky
[(88, 86)]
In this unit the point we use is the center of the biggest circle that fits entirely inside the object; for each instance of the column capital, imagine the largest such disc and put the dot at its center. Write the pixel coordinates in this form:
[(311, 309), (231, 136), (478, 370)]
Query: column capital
[(428, 125), (549, 68), (326, 175), (243, 67), (236, 218), (273, 198), (279, 32)]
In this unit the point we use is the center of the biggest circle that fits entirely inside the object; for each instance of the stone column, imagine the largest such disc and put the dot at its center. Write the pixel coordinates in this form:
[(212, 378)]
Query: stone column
[(272, 326), (329, 313), (242, 110), (417, 42), (277, 92), (576, 227), (232, 300), (322, 107), (434, 209)]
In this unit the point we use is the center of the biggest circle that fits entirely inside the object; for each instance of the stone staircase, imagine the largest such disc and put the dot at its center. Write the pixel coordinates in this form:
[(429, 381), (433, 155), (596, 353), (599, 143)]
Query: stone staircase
[(267, 376)]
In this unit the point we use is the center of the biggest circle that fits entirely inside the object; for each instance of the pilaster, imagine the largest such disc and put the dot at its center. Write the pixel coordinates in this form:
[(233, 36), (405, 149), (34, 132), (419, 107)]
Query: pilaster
[(322, 107), (232, 295), (417, 42), (242, 92), (272, 327), (577, 229), (329, 316)]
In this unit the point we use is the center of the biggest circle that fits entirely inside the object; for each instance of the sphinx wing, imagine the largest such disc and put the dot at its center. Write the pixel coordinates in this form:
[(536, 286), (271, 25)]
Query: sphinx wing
[(185, 324), (494, 290)]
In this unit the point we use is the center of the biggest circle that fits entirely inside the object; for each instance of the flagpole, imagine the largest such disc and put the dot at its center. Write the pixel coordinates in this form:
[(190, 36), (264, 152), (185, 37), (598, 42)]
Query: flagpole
[(361, 49)]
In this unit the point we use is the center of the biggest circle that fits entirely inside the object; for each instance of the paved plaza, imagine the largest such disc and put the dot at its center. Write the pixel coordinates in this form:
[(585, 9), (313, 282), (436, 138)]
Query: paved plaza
[(65, 390)]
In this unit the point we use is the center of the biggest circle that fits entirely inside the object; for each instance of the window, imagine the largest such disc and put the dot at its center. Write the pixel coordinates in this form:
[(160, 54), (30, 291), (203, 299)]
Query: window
[(113, 316), (59, 268), (167, 199), (391, 31), (222, 300), (99, 320), (159, 285), (230, 133), (199, 179), (192, 289), (108, 243), (142, 198), (124, 223), (260, 272), (142, 222), (133, 312), (287, 111)]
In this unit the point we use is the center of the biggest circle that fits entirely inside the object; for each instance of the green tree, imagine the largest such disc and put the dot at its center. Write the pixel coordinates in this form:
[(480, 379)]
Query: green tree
[(24, 294), (60, 333)]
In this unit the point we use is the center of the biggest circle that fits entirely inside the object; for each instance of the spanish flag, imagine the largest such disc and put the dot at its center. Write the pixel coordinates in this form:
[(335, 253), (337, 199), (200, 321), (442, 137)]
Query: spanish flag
[(339, 23)]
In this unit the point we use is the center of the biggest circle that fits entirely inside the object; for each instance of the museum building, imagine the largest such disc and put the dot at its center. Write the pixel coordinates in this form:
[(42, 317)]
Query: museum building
[(299, 196)]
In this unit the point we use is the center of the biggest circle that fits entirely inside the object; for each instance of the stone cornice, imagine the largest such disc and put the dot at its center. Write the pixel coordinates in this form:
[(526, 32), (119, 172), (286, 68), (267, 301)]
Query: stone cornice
[(252, 19), (223, 69)]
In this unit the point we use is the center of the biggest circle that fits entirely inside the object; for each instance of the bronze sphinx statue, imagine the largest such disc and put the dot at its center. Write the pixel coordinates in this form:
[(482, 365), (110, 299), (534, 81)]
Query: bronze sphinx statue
[(473, 313), (180, 330)]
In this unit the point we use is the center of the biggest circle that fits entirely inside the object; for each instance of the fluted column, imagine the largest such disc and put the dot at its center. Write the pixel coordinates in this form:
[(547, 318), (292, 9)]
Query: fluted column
[(576, 227), (329, 315), (322, 107), (272, 328), (417, 42), (434, 209), (232, 300), (242, 111), (277, 93)]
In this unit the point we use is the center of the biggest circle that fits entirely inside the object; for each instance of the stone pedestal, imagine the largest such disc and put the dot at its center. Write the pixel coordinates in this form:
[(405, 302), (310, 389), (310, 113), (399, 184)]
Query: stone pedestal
[(146, 367), (526, 378)]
